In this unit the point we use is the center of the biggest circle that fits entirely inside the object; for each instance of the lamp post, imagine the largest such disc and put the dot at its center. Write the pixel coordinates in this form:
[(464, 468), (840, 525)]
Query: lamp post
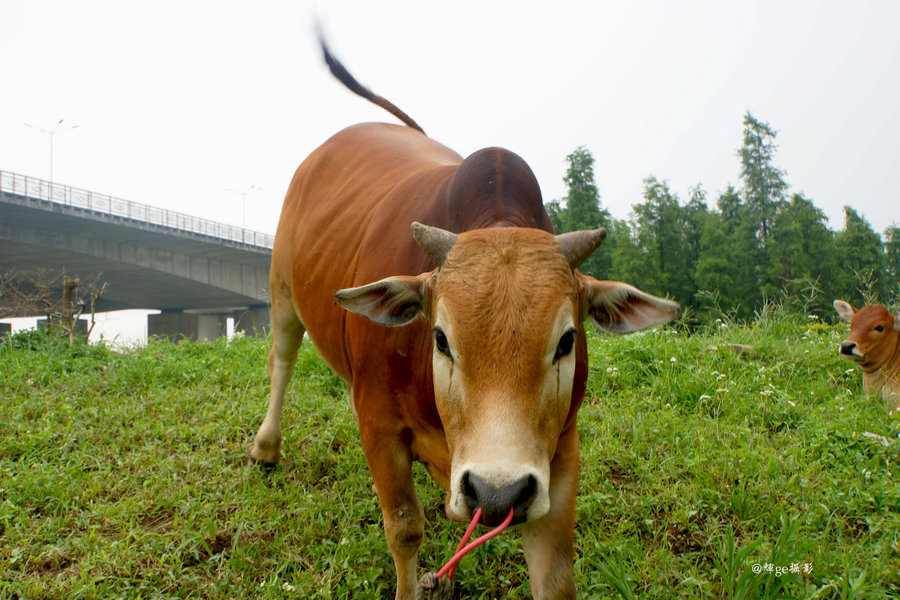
[(243, 196), (51, 132)]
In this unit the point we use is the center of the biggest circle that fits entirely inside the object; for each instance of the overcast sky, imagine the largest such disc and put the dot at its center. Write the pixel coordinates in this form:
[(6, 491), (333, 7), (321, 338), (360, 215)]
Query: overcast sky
[(177, 102)]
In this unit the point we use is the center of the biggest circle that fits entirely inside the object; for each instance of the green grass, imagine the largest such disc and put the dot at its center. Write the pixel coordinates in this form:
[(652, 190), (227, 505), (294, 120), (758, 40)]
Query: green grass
[(122, 475)]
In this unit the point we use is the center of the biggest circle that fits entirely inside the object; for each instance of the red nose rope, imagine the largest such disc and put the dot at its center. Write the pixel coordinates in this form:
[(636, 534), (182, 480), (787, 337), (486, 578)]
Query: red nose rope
[(434, 585)]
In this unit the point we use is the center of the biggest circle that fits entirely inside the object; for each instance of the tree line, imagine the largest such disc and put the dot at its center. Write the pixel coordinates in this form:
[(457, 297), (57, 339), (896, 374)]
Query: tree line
[(760, 244)]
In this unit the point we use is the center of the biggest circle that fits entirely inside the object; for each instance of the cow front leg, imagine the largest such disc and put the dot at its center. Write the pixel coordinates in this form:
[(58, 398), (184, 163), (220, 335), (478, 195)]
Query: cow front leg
[(404, 518), (287, 334), (548, 542)]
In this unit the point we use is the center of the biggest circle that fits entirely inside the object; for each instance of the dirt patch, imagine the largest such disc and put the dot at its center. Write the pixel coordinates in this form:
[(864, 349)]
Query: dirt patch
[(51, 566), (158, 521), (618, 474), (213, 547)]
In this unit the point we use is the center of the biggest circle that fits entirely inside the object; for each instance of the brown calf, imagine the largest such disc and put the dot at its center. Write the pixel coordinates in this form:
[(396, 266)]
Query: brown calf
[(874, 345)]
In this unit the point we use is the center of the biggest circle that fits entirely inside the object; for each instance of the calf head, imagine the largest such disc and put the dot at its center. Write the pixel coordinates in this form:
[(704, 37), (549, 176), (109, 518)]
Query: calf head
[(874, 334), (506, 307)]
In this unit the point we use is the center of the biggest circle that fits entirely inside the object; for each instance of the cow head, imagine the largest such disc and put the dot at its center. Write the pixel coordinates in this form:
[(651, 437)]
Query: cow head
[(506, 307), (874, 334)]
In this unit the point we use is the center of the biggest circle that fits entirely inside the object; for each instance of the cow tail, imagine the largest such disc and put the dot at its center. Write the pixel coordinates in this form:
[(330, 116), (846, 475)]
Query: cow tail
[(344, 76)]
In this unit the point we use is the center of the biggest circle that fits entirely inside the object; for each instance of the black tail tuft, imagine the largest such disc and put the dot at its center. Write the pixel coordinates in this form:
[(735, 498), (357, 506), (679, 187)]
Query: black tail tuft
[(344, 76)]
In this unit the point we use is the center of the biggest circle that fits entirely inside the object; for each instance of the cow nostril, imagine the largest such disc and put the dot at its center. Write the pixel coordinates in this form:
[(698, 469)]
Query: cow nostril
[(847, 347), (496, 502)]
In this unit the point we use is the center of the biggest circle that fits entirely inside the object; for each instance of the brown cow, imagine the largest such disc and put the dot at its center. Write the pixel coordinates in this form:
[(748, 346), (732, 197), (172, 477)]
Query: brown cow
[(469, 355), (874, 345)]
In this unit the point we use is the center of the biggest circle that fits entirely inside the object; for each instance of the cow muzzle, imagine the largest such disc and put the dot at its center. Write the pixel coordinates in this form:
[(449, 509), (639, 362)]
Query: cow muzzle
[(496, 502), (850, 349), (496, 492)]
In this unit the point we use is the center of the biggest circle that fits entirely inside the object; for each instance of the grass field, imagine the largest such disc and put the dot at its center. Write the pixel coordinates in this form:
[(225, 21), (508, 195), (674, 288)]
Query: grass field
[(706, 473)]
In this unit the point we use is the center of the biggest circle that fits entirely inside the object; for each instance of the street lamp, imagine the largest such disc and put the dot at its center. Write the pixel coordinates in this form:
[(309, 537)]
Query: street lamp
[(51, 132), (243, 196)]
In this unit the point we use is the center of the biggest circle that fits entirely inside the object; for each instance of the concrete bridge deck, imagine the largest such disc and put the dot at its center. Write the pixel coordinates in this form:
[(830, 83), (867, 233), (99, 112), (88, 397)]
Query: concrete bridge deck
[(151, 258)]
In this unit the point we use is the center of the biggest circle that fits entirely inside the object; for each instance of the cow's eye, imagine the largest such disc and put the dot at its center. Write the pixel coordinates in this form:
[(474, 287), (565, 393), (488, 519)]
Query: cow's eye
[(880, 328), (441, 343), (566, 342)]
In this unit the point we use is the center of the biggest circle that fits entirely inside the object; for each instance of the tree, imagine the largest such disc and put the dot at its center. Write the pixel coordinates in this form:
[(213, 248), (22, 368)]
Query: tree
[(715, 268), (582, 209), (625, 257), (630, 259), (666, 232), (728, 256), (55, 295), (861, 261), (801, 254), (764, 184), (695, 213), (892, 263)]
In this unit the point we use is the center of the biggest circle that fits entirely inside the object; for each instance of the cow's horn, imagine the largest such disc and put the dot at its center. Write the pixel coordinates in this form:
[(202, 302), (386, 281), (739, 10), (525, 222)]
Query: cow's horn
[(436, 242), (577, 246)]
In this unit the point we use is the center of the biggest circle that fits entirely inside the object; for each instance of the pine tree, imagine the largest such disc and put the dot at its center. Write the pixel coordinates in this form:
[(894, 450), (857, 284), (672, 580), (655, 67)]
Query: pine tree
[(892, 264), (715, 271), (802, 255), (861, 261), (764, 183), (667, 232), (742, 248), (582, 209), (627, 257)]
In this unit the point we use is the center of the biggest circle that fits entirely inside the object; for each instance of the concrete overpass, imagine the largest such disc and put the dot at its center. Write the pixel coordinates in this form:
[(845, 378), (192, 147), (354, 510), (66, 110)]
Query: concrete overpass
[(196, 271)]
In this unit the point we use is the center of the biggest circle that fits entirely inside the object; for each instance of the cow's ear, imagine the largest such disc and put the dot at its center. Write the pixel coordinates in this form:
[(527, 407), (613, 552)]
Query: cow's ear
[(392, 302), (621, 308), (844, 310)]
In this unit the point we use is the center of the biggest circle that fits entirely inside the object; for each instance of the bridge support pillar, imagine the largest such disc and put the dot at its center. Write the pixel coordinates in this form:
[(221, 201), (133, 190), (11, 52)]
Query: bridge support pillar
[(178, 325), (5, 330), (254, 321)]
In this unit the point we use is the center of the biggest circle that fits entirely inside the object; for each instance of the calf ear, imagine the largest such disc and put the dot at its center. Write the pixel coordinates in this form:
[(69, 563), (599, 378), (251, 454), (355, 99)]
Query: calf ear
[(844, 310), (392, 302), (620, 308)]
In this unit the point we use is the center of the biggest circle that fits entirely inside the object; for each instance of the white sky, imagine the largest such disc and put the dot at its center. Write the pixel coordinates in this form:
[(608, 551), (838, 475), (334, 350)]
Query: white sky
[(178, 102)]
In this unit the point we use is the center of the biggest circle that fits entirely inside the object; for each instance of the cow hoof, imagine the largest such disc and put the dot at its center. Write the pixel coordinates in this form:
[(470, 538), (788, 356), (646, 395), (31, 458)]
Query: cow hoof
[(432, 588), (265, 467)]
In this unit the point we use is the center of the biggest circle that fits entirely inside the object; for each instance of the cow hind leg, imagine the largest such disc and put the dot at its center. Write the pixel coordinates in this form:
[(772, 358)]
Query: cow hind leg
[(287, 333)]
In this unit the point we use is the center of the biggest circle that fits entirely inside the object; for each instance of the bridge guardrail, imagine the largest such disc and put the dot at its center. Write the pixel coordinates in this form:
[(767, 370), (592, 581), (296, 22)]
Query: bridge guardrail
[(41, 189)]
